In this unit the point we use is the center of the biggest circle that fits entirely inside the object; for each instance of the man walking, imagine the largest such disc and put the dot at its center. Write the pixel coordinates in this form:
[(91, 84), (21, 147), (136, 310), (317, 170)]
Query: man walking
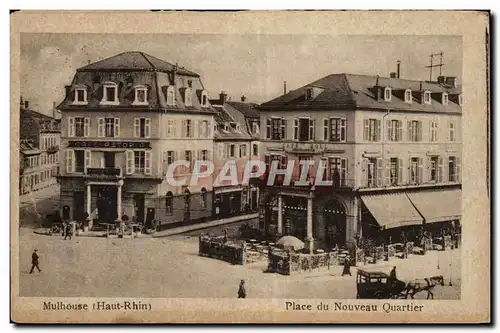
[(242, 293), (34, 262), (68, 232)]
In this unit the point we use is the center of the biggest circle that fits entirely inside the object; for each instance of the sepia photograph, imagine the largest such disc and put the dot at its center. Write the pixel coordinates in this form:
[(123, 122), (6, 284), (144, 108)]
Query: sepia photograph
[(301, 167)]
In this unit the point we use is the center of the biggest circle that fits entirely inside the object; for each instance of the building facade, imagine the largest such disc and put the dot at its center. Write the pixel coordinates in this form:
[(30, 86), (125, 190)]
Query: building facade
[(39, 149), (234, 142), (125, 120), (390, 148)]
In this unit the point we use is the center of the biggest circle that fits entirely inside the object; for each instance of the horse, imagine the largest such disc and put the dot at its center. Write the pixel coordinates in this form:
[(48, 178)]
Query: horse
[(416, 286)]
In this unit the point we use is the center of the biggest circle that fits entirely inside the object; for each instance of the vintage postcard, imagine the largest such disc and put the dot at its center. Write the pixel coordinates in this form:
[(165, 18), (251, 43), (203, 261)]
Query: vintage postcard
[(250, 167)]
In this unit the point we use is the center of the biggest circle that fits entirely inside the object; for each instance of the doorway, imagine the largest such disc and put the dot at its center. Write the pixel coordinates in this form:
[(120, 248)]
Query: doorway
[(106, 204), (139, 207), (78, 205), (335, 224)]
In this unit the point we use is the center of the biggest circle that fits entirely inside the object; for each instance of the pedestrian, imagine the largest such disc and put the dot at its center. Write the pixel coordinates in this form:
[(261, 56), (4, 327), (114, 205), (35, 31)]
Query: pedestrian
[(347, 266), (242, 293), (68, 232), (34, 261)]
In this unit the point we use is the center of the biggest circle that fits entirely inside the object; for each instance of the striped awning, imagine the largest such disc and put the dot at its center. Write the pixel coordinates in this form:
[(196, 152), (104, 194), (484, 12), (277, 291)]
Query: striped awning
[(392, 210), (438, 205)]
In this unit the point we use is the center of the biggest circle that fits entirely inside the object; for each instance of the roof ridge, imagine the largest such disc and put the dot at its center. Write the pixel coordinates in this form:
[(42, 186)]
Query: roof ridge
[(146, 58), (351, 94)]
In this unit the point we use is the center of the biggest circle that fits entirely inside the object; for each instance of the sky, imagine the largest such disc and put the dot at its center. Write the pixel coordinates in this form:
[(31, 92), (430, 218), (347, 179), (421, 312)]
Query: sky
[(252, 65)]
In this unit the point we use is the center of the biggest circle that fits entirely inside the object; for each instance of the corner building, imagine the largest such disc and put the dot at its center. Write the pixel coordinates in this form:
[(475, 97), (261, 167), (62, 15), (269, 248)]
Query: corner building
[(125, 119), (391, 147)]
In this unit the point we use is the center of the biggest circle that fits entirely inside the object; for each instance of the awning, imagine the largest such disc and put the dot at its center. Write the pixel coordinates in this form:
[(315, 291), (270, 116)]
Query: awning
[(392, 210), (438, 205)]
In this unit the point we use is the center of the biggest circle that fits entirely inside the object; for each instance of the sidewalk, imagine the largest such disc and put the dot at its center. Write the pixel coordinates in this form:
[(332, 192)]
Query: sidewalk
[(180, 230)]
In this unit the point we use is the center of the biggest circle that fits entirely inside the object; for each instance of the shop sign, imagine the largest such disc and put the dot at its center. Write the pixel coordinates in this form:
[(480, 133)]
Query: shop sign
[(110, 144)]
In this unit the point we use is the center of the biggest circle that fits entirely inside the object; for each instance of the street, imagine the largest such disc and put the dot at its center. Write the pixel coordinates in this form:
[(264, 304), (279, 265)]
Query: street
[(171, 267)]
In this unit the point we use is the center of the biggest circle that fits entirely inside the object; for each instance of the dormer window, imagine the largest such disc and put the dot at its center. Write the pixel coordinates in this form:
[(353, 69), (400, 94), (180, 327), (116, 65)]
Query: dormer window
[(460, 99), (427, 97), (226, 127), (80, 95), (445, 99), (408, 96), (170, 95), (141, 95), (255, 128), (110, 94), (238, 127), (204, 98), (387, 94), (309, 94), (188, 101)]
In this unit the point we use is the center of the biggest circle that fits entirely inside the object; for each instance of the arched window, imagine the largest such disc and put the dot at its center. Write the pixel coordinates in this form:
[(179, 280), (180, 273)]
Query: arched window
[(427, 97), (110, 93), (141, 95), (169, 202), (203, 197), (408, 97), (204, 98), (80, 94), (170, 95), (387, 94), (445, 99)]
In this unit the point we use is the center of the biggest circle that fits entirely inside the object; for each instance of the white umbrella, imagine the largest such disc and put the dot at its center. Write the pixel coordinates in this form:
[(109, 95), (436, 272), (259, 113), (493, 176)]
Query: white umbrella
[(291, 242)]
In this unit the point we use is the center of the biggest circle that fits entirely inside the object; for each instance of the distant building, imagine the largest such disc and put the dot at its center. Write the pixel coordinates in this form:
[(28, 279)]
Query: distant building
[(38, 148), (392, 149), (125, 120), (234, 141)]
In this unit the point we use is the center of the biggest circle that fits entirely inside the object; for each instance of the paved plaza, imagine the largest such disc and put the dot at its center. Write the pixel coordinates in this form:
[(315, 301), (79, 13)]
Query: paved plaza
[(171, 267)]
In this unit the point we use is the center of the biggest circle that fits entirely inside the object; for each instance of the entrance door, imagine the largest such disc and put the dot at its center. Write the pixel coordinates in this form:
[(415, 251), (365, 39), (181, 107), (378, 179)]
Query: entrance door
[(109, 159), (335, 224), (106, 204), (139, 207), (78, 205)]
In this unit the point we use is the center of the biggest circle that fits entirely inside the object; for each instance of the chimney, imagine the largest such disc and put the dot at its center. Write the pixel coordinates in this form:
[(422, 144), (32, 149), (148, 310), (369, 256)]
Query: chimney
[(222, 97), (441, 79), (394, 75), (243, 98), (26, 104), (378, 89), (22, 102), (284, 87), (398, 73), (451, 81)]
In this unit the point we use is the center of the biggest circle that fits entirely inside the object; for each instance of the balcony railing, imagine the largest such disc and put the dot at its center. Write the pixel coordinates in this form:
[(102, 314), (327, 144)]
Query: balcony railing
[(104, 172)]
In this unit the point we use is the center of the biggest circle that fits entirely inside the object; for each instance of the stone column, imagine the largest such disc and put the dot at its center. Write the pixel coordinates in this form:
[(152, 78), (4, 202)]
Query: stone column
[(310, 239), (89, 205), (119, 201), (280, 214), (89, 200)]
